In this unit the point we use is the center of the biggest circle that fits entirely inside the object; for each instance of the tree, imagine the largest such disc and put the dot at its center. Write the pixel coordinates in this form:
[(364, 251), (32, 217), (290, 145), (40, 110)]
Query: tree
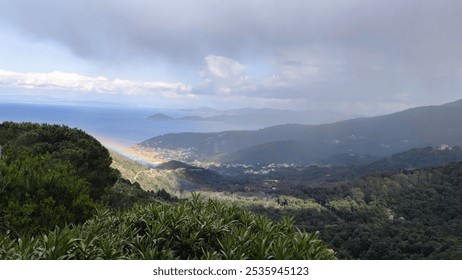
[(90, 158), (39, 193)]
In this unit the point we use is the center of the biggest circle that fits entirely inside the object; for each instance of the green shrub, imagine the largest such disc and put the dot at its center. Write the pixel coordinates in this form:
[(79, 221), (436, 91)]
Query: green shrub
[(189, 229), (90, 158), (38, 193)]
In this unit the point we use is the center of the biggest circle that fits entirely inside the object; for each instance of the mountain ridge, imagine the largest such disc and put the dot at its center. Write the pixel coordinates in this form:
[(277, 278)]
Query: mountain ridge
[(376, 136), (259, 116)]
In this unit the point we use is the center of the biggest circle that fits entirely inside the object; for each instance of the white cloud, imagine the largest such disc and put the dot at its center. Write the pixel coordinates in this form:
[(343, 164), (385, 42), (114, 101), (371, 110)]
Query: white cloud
[(219, 67), (223, 76), (78, 83), (298, 73)]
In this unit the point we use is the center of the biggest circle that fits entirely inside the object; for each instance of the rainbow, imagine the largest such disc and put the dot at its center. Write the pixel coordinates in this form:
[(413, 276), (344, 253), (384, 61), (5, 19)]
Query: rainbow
[(130, 151)]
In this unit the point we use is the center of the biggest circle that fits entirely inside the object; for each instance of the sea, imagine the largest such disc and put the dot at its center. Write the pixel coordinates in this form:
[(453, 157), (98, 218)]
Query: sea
[(112, 125)]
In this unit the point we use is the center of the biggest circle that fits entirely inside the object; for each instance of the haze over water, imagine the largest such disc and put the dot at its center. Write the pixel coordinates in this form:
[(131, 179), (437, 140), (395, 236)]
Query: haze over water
[(126, 126)]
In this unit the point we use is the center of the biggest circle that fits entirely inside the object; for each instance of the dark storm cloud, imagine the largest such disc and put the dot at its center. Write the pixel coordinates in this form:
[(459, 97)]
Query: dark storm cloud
[(389, 51), (102, 28)]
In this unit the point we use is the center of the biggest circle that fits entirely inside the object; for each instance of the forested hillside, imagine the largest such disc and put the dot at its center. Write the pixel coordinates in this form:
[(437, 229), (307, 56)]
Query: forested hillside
[(389, 209), (60, 199), (403, 215)]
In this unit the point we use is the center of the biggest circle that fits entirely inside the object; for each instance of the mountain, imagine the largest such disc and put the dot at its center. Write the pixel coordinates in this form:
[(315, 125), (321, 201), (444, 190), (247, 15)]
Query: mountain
[(375, 136), (457, 103), (257, 117), (405, 161), (278, 151), (267, 117)]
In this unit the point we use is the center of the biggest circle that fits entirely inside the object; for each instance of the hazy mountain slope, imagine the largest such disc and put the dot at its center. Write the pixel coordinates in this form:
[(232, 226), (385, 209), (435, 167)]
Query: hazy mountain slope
[(268, 117), (278, 151), (457, 103), (378, 136)]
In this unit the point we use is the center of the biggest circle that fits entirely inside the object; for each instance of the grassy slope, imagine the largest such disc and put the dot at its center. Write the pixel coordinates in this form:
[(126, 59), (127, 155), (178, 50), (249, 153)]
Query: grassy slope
[(148, 178)]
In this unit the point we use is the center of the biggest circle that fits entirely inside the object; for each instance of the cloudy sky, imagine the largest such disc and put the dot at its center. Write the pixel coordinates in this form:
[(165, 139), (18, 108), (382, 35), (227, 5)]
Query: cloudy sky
[(358, 56)]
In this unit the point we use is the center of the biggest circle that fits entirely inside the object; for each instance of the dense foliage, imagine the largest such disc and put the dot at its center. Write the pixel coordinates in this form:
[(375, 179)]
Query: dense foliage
[(50, 176), (125, 194), (189, 229), (53, 175), (37, 193), (89, 158), (405, 215)]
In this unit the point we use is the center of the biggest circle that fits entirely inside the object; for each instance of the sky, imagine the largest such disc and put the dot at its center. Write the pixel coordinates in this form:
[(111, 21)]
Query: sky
[(355, 56)]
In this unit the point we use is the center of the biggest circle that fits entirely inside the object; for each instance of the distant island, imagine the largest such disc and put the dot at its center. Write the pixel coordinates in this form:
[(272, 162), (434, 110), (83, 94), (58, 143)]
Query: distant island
[(160, 117), (262, 116)]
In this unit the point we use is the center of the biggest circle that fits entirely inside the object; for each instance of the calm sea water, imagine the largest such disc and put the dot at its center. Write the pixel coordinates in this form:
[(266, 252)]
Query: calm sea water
[(125, 125)]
